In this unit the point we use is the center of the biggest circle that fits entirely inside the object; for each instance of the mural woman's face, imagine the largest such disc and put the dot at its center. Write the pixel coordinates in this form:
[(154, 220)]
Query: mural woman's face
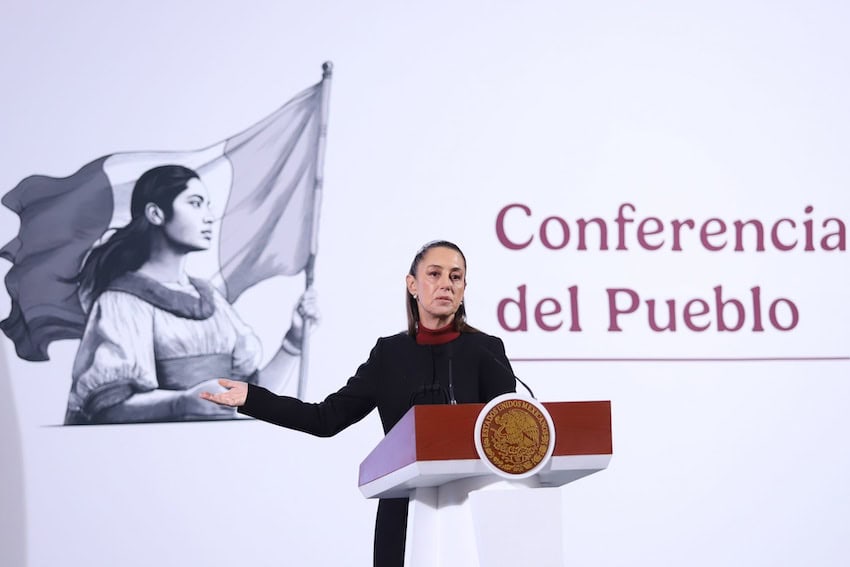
[(190, 226)]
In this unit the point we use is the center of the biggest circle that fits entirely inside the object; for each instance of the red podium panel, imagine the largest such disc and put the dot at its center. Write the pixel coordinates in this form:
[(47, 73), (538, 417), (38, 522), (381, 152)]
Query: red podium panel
[(434, 444)]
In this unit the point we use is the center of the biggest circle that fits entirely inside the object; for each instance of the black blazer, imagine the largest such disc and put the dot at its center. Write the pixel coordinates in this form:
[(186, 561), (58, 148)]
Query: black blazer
[(399, 373)]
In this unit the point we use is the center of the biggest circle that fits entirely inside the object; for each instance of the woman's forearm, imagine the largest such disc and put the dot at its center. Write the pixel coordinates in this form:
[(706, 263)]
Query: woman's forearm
[(156, 405), (166, 405)]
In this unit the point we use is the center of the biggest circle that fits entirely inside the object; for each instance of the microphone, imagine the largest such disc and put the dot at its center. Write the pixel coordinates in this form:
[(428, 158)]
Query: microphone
[(524, 385), (434, 393), (452, 399), (495, 359)]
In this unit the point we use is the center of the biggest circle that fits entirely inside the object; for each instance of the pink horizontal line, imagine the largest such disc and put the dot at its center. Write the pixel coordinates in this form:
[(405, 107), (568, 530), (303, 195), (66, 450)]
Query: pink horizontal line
[(688, 359)]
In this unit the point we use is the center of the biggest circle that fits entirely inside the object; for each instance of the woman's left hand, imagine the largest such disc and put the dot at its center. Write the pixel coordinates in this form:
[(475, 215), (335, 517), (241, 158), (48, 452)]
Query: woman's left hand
[(306, 310)]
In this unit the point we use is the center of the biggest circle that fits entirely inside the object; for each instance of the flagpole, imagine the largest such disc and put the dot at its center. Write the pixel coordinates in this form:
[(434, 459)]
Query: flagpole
[(318, 185)]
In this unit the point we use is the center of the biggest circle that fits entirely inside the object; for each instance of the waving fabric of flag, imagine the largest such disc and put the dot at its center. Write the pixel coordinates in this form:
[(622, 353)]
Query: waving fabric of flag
[(262, 183)]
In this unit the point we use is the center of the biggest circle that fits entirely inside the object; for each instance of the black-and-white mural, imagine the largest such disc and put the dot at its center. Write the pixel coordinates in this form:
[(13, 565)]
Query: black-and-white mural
[(102, 256)]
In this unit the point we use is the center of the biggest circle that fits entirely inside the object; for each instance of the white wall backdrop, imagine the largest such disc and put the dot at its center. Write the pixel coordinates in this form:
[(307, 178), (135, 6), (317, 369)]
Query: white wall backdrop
[(441, 115)]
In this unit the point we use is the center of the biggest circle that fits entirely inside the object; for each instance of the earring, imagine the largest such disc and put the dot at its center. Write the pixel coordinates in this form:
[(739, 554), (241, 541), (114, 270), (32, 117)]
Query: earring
[(415, 296)]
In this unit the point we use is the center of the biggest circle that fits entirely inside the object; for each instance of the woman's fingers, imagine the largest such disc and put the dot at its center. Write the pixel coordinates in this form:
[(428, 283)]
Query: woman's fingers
[(308, 307), (235, 394)]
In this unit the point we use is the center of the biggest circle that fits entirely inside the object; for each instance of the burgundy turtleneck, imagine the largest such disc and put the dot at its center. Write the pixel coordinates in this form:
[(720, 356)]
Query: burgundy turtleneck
[(426, 336)]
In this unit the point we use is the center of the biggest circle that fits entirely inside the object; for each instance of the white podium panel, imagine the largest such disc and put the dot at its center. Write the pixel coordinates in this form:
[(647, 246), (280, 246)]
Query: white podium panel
[(485, 522)]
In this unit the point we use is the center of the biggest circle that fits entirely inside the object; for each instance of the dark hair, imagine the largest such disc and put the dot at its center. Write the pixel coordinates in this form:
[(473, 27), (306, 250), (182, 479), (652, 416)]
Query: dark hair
[(459, 321), (130, 246)]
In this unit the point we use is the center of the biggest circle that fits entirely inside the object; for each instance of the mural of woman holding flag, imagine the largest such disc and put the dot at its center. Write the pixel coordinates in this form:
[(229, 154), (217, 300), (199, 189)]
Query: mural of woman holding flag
[(155, 336), (149, 333)]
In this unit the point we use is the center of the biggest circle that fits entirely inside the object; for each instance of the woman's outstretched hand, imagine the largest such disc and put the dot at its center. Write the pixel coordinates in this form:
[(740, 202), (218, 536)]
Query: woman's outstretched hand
[(234, 395)]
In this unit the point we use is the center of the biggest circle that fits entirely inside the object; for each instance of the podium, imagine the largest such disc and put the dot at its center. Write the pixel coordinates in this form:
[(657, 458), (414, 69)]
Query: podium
[(461, 513)]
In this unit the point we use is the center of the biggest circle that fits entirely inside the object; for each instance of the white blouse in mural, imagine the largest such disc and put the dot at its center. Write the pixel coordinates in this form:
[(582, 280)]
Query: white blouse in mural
[(141, 336)]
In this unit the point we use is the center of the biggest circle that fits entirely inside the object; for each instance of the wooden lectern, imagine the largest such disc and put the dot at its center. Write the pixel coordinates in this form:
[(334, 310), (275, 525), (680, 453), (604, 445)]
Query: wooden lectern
[(461, 513)]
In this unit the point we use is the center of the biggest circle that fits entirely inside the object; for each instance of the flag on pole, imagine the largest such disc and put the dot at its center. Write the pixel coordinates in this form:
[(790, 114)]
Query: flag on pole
[(262, 184)]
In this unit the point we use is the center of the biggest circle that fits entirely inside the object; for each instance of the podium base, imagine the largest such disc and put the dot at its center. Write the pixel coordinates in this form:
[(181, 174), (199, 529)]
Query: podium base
[(485, 522)]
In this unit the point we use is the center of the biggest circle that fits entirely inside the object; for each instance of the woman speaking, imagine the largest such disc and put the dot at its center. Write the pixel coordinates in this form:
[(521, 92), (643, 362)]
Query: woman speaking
[(440, 359)]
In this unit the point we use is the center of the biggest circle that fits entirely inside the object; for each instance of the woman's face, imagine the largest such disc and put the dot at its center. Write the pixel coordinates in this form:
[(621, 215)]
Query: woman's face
[(190, 225), (438, 286)]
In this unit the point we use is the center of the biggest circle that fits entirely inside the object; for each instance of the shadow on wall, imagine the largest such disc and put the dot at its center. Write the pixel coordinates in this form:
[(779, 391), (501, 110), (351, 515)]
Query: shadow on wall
[(13, 543)]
